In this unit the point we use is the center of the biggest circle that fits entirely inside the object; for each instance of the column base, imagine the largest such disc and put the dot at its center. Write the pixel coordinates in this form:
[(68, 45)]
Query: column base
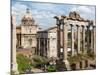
[(14, 69), (67, 64), (83, 64), (78, 66)]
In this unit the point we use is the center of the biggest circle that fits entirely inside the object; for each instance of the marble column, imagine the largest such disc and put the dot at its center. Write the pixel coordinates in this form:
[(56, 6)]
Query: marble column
[(83, 39), (14, 66), (72, 39), (78, 39), (94, 39)]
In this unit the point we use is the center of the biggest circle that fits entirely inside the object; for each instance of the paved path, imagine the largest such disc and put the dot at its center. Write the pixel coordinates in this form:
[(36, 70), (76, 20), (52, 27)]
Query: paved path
[(37, 70)]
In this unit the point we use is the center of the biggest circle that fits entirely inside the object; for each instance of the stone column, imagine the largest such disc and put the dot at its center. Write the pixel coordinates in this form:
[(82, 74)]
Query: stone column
[(58, 35), (77, 66), (83, 64), (65, 41), (58, 40), (44, 47), (47, 48), (72, 39), (39, 45), (78, 38), (83, 38), (94, 39), (48, 44), (20, 39), (14, 65), (41, 53), (88, 44)]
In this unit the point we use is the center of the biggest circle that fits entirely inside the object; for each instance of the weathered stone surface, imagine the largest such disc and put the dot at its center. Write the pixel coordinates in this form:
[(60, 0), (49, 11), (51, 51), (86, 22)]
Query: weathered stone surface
[(14, 66)]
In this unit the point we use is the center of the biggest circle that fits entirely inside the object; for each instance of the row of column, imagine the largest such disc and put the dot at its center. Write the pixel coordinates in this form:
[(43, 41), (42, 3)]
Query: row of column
[(42, 46), (93, 39), (62, 39), (86, 43)]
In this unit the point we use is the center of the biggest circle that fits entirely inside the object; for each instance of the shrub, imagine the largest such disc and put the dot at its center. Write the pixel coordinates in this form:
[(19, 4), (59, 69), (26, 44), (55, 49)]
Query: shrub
[(23, 63), (39, 61), (51, 68)]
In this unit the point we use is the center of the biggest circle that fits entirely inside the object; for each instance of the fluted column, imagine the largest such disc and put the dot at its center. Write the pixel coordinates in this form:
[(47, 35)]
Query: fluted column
[(72, 39), (14, 65), (94, 39), (78, 38), (83, 39)]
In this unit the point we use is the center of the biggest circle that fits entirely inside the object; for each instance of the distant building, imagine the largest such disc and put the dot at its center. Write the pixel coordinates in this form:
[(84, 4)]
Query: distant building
[(47, 42)]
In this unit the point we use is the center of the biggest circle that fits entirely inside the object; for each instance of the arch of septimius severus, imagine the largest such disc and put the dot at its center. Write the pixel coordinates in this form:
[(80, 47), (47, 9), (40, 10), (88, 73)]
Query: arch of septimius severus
[(54, 41)]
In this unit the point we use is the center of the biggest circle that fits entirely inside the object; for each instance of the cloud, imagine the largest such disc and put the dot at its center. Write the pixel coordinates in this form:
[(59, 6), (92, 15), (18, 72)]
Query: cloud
[(18, 9), (43, 13), (85, 11)]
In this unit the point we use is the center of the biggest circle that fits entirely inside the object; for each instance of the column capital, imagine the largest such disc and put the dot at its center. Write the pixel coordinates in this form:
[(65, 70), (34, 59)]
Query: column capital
[(94, 26), (71, 25), (87, 26), (58, 22), (56, 17), (78, 25), (82, 25)]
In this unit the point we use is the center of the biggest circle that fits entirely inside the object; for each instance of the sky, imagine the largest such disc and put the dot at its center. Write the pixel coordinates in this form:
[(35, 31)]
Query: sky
[(43, 13)]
